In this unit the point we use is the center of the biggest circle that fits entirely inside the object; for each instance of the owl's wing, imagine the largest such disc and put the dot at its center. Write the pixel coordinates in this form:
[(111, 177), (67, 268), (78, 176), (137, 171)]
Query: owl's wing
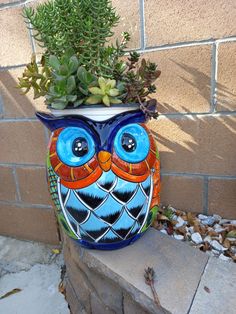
[(52, 186)]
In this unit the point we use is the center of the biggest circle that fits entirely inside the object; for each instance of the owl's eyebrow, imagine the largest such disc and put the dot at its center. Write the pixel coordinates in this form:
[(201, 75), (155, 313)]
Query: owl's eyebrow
[(53, 123)]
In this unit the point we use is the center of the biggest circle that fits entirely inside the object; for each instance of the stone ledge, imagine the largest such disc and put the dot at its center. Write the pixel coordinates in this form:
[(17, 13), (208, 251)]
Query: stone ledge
[(178, 269)]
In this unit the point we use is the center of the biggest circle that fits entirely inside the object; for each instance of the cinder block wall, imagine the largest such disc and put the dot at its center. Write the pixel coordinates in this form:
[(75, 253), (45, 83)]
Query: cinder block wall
[(194, 44)]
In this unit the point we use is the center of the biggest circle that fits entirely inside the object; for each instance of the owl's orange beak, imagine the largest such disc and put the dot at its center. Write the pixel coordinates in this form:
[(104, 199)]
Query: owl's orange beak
[(104, 159)]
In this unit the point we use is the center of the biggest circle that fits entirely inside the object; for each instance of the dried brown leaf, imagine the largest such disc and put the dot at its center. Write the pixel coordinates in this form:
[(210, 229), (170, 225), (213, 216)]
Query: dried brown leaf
[(205, 247), (8, 294), (207, 289), (61, 288), (190, 219), (196, 226), (227, 243), (212, 233), (162, 217), (181, 230)]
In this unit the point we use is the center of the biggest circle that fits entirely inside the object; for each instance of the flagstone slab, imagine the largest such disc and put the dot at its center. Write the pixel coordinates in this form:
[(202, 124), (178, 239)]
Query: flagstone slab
[(217, 290), (178, 269)]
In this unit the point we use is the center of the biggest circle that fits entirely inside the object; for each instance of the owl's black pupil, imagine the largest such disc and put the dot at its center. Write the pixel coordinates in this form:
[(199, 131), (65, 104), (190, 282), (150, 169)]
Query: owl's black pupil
[(80, 147), (128, 142)]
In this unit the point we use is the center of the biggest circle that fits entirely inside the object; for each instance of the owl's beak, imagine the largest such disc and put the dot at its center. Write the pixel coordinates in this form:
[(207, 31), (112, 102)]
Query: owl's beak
[(104, 159)]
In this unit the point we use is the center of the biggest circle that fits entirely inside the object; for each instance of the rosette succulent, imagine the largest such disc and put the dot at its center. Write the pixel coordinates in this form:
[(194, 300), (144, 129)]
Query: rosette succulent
[(106, 93)]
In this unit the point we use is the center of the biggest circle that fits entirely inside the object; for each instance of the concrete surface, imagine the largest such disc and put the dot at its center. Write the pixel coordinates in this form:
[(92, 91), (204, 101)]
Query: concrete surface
[(217, 289), (35, 269)]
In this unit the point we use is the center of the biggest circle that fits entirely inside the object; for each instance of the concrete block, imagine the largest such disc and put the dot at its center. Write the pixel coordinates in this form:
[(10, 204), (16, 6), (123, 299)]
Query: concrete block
[(178, 268)]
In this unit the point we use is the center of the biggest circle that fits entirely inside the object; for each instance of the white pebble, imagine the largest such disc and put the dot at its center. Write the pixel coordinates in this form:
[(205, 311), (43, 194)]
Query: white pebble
[(224, 221), (201, 217), (180, 223), (174, 217), (207, 239), (163, 231), (191, 230), (233, 249), (217, 217), (196, 238), (219, 229), (231, 239), (217, 246), (215, 252), (179, 237), (208, 221)]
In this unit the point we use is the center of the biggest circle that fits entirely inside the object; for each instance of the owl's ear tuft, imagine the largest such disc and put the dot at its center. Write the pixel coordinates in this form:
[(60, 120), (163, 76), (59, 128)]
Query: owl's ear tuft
[(50, 121)]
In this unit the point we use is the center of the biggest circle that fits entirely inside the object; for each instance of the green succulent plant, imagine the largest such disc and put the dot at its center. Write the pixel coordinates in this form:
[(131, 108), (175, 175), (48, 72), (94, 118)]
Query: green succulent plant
[(36, 77), (62, 91), (106, 93), (80, 65), (81, 25)]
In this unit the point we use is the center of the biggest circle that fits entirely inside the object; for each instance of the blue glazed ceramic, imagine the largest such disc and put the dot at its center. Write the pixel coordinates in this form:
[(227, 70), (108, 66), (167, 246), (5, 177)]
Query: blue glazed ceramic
[(103, 176)]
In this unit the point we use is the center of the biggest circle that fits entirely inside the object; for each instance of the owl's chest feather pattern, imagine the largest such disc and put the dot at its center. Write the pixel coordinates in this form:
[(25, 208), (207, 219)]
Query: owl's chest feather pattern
[(109, 210)]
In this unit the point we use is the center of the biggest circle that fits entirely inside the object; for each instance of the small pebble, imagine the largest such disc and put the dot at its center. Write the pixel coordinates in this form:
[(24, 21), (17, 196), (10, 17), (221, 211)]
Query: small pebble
[(179, 237), (201, 217), (217, 217), (215, 252), (219, 229), (231, 239), (217, 246), (196, 238), (207, 239), (208, 221), (224, 221), (233, 249), (191, 230), (174, 217), (163, 231), (180, 223)]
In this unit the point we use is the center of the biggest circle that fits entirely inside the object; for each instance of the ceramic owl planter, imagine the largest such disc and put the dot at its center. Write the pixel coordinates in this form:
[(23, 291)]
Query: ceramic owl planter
[(103, 175)]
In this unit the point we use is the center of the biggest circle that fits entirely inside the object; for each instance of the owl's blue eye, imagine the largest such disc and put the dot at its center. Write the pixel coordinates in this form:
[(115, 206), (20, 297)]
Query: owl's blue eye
[(131, 143), (75, 146)]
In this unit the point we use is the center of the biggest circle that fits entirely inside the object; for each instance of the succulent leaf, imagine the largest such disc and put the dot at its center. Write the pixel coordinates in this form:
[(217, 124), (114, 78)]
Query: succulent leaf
[(94, 99), (96, 91), (114, 100), (54, 62), (102, 83), (106, 100), (113, 92)]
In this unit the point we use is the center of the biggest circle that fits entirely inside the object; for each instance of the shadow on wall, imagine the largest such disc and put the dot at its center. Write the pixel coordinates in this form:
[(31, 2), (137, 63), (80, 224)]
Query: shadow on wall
[(196, 144), (202, 141), (202, 83), (16, 105)]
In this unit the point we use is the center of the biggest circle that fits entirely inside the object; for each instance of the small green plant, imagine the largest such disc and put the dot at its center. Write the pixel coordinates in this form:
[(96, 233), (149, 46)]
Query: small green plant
[(79, 65), (36, 77), (106, 93)]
